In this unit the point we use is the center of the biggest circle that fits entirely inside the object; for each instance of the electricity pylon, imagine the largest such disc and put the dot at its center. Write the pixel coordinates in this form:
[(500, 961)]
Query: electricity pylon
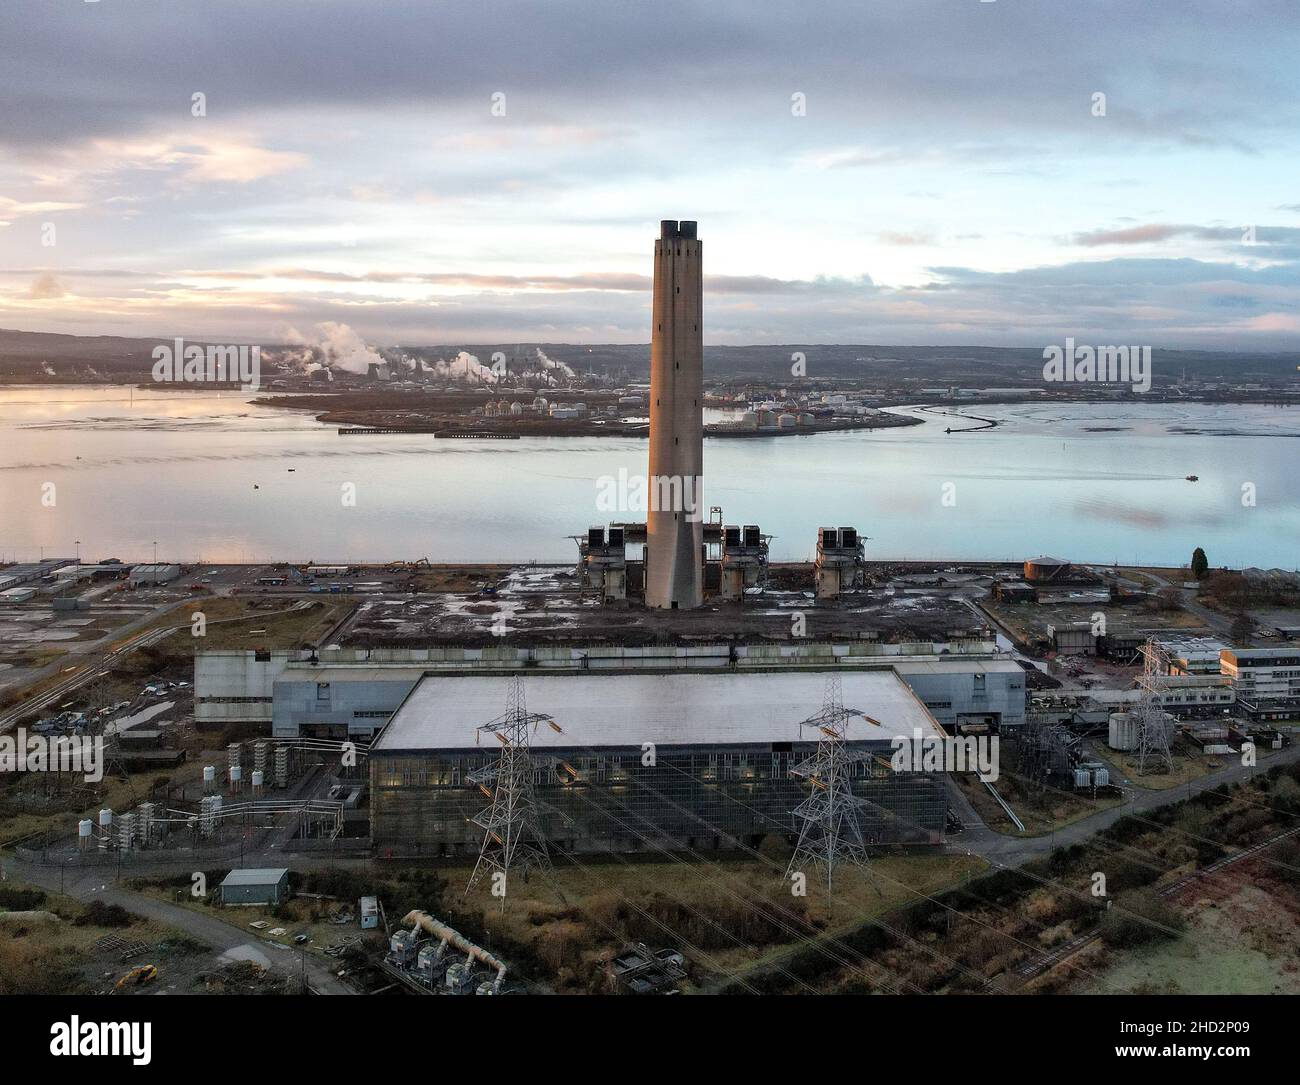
[(1153, 721), (512, 834), (831, 831)]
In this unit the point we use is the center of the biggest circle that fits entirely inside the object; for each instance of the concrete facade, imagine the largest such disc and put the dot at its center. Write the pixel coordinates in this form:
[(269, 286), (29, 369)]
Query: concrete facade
[(338, 702), (675, 519), (236, 686), (968, 693), (1265, 680)]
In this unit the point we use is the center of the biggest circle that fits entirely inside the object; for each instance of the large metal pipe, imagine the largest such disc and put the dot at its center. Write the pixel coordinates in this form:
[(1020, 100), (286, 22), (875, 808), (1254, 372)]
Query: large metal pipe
[(449, 936)]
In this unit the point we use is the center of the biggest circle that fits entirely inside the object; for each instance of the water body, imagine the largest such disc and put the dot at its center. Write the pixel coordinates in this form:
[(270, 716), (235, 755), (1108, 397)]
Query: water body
[(208, 476)]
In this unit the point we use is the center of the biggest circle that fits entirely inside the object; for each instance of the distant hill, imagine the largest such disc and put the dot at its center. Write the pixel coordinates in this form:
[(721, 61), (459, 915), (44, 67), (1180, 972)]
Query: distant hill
[(982, 366), (40, 356), (25, 356)]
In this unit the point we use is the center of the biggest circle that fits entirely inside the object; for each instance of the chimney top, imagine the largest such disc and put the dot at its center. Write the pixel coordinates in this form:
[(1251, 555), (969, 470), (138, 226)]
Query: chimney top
[(671, 229)]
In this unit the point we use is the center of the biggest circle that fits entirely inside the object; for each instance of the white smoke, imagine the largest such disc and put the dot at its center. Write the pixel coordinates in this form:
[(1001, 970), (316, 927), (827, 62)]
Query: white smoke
[(464, 367), (336, 346), (558, 367)]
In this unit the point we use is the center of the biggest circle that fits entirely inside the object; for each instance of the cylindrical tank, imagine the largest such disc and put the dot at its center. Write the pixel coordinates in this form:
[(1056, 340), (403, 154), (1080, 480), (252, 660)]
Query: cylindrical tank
[(85, 827), (786, 421), (105, 818), (209, 774), (1123, 731), (236, 774), (749, 420), (258, 777)]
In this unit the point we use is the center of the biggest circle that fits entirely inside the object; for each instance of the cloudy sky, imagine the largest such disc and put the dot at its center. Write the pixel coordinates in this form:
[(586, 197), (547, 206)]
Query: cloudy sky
[(874, 171)]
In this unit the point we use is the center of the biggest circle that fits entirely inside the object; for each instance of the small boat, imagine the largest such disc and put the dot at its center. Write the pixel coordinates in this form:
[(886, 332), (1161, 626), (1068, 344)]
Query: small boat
[(1193, 478)]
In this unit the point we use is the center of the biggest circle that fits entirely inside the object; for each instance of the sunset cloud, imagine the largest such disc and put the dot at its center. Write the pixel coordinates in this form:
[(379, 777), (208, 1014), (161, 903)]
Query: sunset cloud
[(947, 186)]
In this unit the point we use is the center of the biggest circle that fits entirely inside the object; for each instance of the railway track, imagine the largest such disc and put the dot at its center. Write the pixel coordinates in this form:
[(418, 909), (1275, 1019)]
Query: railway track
[(82, 674), (1041, 964)]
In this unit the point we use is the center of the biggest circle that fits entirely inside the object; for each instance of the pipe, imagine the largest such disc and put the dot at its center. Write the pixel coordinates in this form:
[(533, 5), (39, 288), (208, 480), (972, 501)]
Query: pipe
[(447, 936)]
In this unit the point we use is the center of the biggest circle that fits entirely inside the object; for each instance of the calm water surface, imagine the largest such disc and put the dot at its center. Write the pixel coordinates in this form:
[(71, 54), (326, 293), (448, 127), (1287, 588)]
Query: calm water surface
[(212, 477)]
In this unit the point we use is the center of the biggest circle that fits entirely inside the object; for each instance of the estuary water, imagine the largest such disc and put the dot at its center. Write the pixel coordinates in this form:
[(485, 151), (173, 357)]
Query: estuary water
[(211, 477)]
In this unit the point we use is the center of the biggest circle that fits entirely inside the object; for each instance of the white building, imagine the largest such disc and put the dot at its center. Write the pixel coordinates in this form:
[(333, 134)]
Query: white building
[(1266, 680)]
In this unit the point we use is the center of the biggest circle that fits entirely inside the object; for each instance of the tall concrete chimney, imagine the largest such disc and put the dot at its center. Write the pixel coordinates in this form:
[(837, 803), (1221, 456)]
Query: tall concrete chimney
[(674, 572)]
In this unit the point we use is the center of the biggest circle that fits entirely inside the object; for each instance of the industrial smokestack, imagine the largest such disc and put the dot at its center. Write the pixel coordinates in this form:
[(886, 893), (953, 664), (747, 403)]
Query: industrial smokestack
[(674, 522)]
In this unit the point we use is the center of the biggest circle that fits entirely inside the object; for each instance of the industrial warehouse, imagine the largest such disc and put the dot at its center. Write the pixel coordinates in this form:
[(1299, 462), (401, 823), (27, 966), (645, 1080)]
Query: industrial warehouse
[(672, 765), (646, 761)]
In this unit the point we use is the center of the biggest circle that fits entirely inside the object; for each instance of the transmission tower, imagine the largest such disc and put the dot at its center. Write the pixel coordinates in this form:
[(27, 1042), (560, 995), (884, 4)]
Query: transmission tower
[(512, 834), (1153, 721), (831, 831)]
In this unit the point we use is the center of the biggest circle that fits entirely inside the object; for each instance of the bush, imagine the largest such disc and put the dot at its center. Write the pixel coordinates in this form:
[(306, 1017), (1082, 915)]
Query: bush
[(1285, 860), (99, 914), (1244, 829), (1123, 873), (14, 899), (1139, 917)]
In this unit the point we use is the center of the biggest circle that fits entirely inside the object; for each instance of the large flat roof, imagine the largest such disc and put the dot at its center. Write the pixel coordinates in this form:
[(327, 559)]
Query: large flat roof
[(255, 876), (959, 665), (596, 710)]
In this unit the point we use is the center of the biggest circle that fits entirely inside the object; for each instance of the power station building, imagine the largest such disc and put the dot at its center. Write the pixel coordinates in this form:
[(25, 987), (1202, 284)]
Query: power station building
[(646, 761), (674, 574)]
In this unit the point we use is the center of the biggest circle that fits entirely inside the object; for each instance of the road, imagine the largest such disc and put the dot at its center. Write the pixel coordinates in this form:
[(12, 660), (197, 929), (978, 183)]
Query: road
[(96, 664), (91, 883), (979, 839), (82, 673)]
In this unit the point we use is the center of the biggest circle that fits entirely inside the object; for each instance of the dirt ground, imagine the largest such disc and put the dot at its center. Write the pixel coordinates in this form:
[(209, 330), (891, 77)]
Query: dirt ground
[(1243, 937), (1029, 621), (251, 621), (66, 947)]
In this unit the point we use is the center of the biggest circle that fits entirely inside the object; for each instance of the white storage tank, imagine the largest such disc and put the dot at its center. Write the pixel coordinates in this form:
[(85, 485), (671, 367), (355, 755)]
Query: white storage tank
[(105, 819), (1123, 731), (786, 421)]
